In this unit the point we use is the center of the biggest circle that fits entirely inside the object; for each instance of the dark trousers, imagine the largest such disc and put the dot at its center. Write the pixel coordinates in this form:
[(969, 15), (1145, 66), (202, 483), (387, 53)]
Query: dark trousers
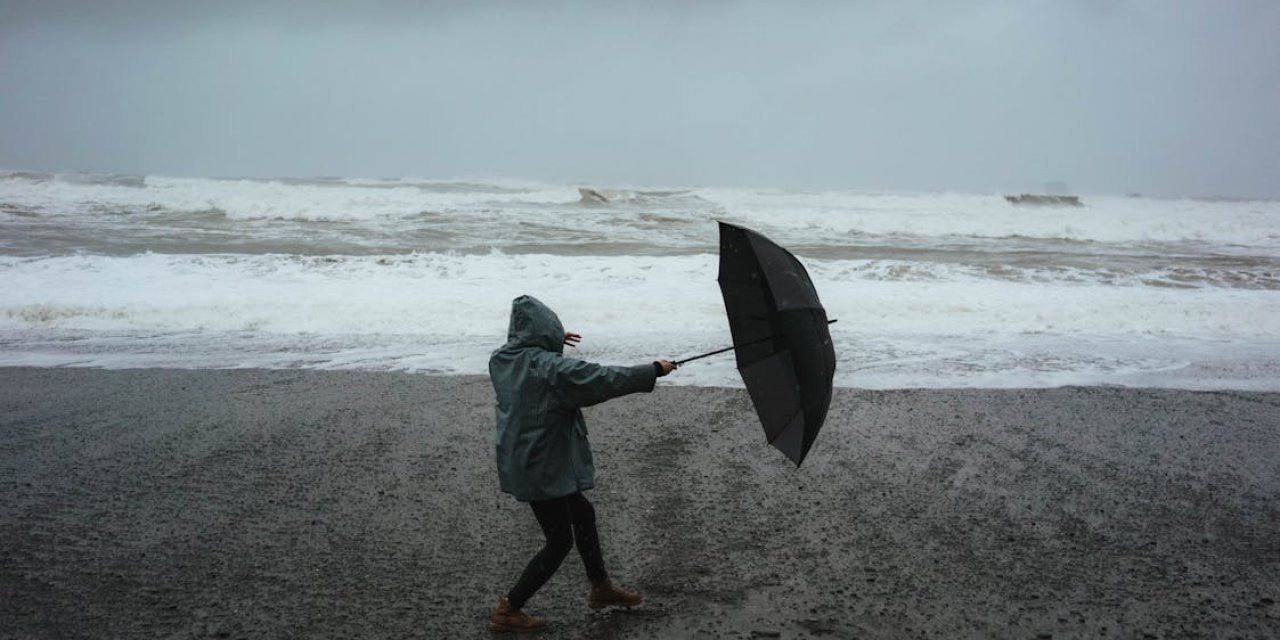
[(564, 521)]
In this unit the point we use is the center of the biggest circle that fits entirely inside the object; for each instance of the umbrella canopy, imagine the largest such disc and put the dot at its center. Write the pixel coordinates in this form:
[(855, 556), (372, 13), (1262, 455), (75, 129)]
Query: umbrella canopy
[(780, 335)]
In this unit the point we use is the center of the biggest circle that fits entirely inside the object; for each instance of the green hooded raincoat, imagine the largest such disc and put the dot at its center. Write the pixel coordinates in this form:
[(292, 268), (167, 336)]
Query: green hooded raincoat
[(542, 445)]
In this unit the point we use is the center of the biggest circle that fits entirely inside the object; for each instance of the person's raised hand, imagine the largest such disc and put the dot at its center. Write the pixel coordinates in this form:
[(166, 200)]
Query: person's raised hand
[(572, 339), (667, 366)]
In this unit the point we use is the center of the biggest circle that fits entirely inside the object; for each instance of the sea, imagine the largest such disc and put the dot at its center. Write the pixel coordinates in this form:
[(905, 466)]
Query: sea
[(929, 289)]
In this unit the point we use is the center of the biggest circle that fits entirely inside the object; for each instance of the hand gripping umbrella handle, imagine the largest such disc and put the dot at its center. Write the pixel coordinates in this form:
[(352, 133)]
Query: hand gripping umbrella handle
[(740, 344)]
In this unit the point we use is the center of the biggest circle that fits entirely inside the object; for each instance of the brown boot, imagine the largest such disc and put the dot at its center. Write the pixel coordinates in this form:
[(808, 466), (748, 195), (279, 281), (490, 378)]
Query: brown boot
[(503, 619), (607, 594)]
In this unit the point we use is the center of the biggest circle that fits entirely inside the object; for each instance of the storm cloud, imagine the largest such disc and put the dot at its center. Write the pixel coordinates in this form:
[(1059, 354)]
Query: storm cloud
[(1166, 98)]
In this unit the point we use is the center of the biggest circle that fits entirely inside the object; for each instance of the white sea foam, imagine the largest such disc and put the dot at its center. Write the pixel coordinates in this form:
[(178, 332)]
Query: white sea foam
[(929, 289), (806, 218), (1104, 219), (271, 199), (444, 294), (444, 312)]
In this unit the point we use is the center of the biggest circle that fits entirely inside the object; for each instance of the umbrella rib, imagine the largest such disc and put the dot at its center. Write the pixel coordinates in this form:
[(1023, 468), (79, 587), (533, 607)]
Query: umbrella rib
[(789, 419)]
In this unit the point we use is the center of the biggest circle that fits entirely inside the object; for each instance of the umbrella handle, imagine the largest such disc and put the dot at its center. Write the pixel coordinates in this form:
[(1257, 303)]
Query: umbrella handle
[(740, 344)]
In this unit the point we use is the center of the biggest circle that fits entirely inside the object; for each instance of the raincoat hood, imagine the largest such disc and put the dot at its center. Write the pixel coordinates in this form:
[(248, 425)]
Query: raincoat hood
[(534, 324)]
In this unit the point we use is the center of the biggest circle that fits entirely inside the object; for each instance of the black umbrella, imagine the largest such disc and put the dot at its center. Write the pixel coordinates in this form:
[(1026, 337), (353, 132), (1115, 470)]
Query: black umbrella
[(780, 336)]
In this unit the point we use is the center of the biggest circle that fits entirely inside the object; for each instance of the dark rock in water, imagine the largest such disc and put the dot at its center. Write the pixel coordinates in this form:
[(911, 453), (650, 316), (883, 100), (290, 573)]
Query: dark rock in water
[(1030, 198), (591, 196)]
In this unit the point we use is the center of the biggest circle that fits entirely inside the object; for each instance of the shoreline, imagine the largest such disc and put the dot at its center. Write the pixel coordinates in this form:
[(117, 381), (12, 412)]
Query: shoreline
[(305, 503)]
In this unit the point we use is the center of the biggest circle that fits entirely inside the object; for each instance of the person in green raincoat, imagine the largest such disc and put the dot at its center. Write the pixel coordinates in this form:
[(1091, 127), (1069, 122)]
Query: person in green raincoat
[(543, 455)]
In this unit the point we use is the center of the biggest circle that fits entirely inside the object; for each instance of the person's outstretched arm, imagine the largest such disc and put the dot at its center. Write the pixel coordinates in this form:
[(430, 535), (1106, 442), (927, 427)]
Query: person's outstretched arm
[(582, 384)]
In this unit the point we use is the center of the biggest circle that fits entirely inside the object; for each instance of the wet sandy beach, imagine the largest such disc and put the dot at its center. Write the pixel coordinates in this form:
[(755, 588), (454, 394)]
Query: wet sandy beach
[(309, 504)]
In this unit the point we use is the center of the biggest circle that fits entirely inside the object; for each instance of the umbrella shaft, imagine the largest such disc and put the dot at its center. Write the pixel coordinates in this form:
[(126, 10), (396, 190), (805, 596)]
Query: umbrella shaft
[(712, 353), (741, 344)]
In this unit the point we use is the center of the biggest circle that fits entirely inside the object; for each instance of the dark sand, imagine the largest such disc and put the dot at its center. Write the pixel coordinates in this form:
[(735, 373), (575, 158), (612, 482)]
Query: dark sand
[(292, 504)]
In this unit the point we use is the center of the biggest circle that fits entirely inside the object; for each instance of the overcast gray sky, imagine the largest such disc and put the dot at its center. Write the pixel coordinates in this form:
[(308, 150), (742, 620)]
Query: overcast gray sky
[(1158, 96)]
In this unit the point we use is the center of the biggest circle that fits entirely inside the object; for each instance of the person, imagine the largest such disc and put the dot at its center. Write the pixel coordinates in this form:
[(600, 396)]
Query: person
[(543, 455)]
